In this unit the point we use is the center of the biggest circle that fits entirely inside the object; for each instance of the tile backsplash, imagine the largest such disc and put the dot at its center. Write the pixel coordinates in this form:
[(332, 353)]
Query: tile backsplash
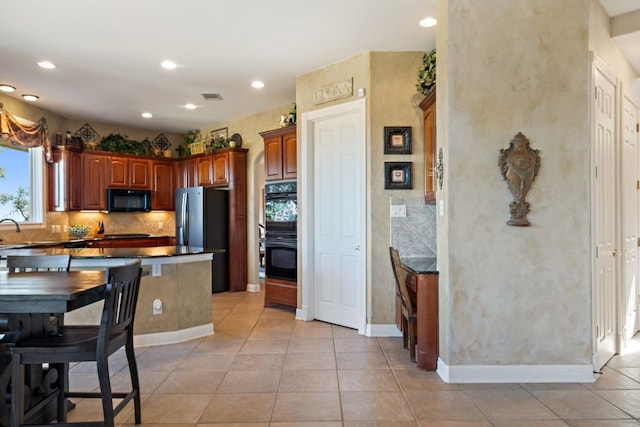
[(414, 235)]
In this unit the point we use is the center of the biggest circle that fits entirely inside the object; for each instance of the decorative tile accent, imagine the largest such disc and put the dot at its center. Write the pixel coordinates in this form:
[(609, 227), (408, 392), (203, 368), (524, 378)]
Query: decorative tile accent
[(414, 235)]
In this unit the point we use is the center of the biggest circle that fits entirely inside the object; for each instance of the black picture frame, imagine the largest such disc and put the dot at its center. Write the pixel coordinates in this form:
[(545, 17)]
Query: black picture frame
[(397, 140), (398, 176)]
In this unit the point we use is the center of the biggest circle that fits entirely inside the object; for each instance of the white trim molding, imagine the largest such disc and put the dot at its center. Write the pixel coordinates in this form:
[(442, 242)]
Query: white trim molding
[(173, 337), (468, 374), (390, 330)]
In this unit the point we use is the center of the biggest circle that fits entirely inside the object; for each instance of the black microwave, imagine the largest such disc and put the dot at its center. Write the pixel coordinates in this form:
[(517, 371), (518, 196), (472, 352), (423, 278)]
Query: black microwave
[(123, 200)]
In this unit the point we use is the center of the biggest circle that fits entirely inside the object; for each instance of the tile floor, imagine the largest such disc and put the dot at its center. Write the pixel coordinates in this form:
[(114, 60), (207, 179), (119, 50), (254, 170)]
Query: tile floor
[(263, 368)]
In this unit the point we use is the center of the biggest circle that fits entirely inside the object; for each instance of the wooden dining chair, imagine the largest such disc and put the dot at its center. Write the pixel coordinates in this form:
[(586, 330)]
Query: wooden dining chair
[(21, 263), (407, 306), (83, 344)]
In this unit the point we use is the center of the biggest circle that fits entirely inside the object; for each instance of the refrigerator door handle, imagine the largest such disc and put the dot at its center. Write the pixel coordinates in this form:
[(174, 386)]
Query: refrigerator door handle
[(185, 218)]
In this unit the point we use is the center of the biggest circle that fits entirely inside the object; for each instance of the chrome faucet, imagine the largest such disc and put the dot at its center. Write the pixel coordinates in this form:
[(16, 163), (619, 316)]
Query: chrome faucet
[(13, 221)]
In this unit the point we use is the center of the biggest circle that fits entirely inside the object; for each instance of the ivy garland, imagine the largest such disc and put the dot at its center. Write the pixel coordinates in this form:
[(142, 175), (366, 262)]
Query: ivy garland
[(427, 73)]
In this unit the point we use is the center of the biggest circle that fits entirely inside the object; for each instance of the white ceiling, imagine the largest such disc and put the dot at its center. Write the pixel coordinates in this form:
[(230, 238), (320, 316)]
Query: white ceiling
[(630, 42), (108, 52)]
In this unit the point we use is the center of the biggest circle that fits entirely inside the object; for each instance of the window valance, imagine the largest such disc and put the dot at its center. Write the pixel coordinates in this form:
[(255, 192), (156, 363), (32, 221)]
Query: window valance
[(21, 133)]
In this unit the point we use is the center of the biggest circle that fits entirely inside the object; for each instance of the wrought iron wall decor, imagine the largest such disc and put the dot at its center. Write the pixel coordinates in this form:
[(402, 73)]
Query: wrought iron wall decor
[(161, 142), (519, 165), (87, 134)]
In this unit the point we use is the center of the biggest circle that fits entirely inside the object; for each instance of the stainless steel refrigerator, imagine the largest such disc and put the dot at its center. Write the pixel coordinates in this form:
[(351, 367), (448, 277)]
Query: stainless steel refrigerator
[(202, 220)]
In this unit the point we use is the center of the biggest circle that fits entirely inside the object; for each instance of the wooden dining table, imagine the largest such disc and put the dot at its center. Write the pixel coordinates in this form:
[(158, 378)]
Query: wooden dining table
[(31, 304)]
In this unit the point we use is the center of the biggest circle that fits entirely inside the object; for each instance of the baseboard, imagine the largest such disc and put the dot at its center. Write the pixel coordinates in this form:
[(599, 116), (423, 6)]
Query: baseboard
[(173, 337), (467, 374), (253, 287), (389, 330)]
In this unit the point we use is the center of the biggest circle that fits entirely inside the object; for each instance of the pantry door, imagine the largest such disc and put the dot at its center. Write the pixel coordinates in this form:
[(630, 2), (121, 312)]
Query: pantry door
[(604, 215), (336, 268), (629, 201)]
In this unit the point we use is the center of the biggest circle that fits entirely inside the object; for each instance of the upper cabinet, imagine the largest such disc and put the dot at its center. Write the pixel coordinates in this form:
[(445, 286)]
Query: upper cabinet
[(128, 172), (78, 180), (94, 181), (428, 106), (280, 161), (162, 185)]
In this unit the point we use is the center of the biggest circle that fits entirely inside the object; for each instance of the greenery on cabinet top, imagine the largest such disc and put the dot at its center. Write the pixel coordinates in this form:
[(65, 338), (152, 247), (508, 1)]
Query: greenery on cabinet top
[(116, 143)]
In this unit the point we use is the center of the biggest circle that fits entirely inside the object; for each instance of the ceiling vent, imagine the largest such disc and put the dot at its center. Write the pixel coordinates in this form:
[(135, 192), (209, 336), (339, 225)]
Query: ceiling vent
[(212, 96)]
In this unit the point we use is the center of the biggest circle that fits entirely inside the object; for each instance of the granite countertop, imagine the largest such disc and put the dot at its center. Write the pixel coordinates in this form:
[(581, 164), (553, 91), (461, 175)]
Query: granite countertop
[(421, 265), (148, 252), (72, 241)]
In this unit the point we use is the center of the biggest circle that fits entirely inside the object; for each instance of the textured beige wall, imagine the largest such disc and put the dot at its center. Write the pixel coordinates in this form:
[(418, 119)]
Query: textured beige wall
[(514, 295), (249, 128), (388, 79), (393, 101)]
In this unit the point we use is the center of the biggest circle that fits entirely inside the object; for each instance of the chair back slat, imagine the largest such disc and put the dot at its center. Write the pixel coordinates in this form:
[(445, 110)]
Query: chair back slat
[(123, 286), (23, 263), (401, 286)]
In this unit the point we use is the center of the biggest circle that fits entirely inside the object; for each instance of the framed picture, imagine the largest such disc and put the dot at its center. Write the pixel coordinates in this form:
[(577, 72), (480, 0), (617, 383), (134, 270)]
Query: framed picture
[(397, 140), (196, 148), (397, 176), (219, 134)]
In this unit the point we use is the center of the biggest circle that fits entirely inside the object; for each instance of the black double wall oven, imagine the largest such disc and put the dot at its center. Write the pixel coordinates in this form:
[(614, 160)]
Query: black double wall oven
[(281, 242)]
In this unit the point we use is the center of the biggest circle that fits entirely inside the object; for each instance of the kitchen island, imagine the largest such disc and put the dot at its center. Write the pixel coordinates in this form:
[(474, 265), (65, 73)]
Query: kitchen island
[(179, 277)]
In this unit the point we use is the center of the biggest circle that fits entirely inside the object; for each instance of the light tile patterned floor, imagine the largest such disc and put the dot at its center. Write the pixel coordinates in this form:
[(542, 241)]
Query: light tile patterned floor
[(263, 368)]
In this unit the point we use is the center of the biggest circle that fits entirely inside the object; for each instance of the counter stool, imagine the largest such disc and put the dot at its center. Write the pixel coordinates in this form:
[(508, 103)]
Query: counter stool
[(82, 344)]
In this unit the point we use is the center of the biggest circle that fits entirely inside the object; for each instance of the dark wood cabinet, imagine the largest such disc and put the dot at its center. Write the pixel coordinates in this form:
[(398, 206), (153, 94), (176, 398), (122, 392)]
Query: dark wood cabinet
[(280, 154), (94, 181), (280, 292), (425, 287), (428, 106), (235, 160), (128, 172), (162, 185), (145, 242), (187, 173), (205, 170), (62, 192), (221, 168)]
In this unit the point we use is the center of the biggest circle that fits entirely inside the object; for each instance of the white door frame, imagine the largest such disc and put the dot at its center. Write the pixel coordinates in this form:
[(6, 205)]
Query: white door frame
[(601, 68), (306, 208)]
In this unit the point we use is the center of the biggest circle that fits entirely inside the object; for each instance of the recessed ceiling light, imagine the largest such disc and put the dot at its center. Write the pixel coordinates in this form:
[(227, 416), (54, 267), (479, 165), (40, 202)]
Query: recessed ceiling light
[(28, 97), (428, 22), (47, 64), (147, 115), (190, 107), (7, 88), (168, 64), (257, 84)]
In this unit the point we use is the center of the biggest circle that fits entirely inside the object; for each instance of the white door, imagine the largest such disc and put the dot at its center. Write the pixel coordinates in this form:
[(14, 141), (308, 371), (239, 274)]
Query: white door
[(604, 209), (337, 138), (629, 202)]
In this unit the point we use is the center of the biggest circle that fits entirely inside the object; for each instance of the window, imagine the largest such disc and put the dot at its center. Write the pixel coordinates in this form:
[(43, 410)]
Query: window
[(21, 184)]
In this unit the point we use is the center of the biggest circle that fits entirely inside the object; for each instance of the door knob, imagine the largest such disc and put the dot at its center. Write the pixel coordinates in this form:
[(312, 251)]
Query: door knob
[(358, 248)]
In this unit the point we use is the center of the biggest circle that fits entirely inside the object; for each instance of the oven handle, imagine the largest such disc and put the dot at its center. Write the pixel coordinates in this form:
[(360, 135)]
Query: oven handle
[(280, 243)]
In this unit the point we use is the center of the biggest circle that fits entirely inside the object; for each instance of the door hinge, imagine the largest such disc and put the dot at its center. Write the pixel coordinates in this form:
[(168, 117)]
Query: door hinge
[(597, 251), (638, 185), (596, 172), (637, 127), (595, 92)]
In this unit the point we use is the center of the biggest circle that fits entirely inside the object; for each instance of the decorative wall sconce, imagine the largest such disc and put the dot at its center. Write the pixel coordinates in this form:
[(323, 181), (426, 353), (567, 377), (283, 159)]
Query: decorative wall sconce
[(519, 165), (439, 169)]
